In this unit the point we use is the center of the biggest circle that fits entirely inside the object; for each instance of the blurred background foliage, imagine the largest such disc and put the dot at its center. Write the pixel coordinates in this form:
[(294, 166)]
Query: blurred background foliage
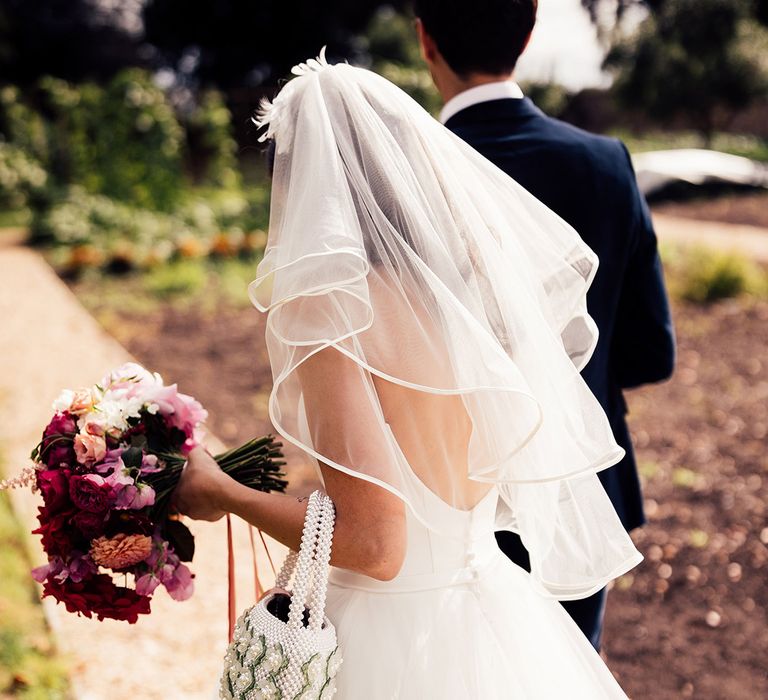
[(698, 59), (125, 132)]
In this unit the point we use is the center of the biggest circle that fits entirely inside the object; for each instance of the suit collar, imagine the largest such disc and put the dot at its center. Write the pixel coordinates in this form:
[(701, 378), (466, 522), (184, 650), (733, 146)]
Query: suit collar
[(502, 89), (506, 108)]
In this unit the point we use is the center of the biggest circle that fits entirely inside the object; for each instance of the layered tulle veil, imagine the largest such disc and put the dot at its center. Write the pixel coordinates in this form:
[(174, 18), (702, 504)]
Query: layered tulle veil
[(395, 244)]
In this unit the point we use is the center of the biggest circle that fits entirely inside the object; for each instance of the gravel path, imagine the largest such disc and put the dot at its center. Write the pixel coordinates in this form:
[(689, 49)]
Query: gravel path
[(751, 241), (49, 342)]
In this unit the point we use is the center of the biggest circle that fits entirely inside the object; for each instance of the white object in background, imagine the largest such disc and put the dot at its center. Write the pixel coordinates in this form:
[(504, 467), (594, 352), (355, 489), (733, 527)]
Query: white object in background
[(657, 169)]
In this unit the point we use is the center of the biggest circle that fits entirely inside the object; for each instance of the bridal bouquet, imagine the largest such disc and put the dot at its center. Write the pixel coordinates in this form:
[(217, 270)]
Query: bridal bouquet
[(107, 465)]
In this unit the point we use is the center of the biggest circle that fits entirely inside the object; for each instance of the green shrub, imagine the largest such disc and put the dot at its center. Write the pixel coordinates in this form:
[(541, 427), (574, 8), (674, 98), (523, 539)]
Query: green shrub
[(115, 195), (87, 230), (22, 126), (704, 275), (549, 97), (20, 177), (212, 149), (179, 278), (73, 112), (139, 143), (122, 140), (396, 55)]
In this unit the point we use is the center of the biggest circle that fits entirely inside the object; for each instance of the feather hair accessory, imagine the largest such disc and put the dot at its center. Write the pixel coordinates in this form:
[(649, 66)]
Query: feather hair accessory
[(269, 111)]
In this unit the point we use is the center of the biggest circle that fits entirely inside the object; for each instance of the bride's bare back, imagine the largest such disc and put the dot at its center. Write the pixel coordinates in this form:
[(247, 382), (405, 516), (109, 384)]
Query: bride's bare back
[(430, 428)]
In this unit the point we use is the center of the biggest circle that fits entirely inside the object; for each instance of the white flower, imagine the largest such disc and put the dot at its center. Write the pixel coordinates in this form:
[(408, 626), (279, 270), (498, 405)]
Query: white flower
[(132, 372), (112, 413), (64, 400)]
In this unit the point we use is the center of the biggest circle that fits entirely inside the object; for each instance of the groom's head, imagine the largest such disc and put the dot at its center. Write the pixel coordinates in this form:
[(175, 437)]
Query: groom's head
[(468, 41)]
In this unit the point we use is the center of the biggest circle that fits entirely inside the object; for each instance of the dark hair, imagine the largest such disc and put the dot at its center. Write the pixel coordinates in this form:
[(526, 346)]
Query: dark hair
[(478, 36)]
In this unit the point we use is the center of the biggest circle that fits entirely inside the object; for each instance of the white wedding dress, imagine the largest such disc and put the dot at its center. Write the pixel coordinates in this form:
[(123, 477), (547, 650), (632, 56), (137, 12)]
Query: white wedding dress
[(427, 324), (460, 622)]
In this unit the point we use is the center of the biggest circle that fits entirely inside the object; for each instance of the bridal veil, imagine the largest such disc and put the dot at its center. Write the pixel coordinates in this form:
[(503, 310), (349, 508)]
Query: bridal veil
[(397, 246)]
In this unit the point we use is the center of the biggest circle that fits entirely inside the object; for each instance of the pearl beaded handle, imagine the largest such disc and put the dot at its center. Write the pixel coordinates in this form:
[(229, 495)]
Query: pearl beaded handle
[(310, 565), (322, 565)]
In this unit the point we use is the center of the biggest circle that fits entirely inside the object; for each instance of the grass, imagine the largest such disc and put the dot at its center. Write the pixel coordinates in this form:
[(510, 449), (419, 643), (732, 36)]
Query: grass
[(738, 144), (29, 666), (203, 283), (15, 218)]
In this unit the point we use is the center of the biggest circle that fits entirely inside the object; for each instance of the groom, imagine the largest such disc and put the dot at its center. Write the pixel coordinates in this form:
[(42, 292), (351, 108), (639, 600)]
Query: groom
[(471, 49)]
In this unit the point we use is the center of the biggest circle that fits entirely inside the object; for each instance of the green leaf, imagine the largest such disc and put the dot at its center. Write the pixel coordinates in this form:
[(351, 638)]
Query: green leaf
[(139, 441), (132, 457), (180, 538)]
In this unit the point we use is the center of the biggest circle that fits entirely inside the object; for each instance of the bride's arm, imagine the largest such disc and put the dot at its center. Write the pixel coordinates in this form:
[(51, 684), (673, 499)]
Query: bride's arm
[(370, 522)]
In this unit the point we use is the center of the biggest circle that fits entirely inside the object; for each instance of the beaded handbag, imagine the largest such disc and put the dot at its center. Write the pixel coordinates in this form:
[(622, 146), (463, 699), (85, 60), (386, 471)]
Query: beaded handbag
[(284, 648)]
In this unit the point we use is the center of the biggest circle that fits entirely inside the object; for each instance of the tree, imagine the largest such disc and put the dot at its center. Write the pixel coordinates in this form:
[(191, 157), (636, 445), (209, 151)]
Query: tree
[(691, 58), (233, 43), (619, 8), (70, 39), (227, 43)]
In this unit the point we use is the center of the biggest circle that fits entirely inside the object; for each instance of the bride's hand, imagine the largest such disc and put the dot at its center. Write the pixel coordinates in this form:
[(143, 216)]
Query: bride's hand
[(201, 481)]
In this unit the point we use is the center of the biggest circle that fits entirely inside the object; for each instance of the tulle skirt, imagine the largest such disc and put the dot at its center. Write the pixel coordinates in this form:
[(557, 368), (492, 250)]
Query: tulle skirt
[(488, 639)]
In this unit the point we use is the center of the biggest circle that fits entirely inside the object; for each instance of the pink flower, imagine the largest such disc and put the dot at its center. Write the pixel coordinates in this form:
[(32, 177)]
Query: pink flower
[(127, 494), (90, 448), (150, 465), (146, 584), (127, 375), (136, 497), (41, 573), (79, 568), (93, 424), (82, 402), (187, 414), (112, 461), (180, 584)]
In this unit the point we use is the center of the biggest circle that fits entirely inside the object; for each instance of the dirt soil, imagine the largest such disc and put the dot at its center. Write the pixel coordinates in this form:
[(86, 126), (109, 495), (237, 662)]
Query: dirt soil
[(691, 620)]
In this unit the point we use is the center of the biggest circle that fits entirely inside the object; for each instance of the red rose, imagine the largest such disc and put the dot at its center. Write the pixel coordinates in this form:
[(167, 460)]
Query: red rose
[(98, 595), (90, 493), (57, 447), (90, 524), (54, 486)]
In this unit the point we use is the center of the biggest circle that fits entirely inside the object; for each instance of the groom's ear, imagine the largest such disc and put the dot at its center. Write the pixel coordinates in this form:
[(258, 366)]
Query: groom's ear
[(426, 43)]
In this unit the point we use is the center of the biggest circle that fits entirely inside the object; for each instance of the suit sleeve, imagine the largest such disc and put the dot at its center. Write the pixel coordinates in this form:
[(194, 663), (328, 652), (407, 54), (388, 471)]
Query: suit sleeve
[(643, 348)]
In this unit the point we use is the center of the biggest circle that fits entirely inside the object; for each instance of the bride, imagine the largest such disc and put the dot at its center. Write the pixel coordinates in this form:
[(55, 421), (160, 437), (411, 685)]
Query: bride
[(426, 328)]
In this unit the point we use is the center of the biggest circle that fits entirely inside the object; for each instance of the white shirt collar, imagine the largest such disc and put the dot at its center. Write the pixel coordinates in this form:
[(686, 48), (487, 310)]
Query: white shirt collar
[(482, 93)]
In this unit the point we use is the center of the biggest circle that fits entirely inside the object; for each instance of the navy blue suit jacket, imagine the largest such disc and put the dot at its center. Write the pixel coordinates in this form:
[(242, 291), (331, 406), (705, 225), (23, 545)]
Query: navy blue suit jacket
[(589, 181)]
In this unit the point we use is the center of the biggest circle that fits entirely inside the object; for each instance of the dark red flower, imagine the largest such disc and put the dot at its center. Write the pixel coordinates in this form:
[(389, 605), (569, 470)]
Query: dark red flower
[(98, 595), (57, 447), (59, 537), (54, 486), (129, 523), (90, 493), (90, 524)]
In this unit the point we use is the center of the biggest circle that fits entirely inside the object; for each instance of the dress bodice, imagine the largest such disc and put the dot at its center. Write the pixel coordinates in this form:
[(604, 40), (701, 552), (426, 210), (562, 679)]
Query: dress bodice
[(456, 554)]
